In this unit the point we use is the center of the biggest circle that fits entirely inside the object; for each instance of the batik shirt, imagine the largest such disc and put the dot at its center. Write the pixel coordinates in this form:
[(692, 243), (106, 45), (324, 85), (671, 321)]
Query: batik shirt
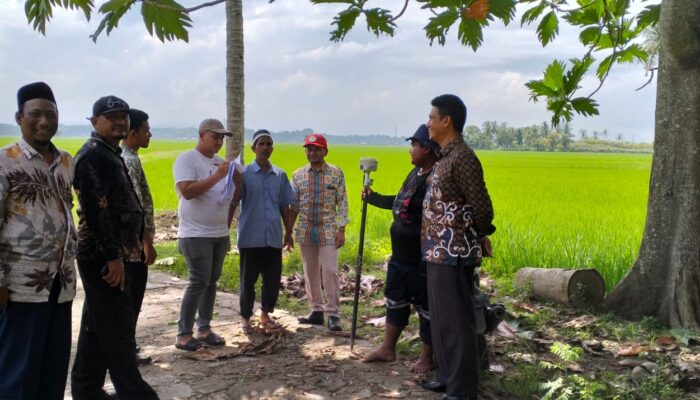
[(322, 203), (37, 234), (143, 192), (457, 208), (111, 216)]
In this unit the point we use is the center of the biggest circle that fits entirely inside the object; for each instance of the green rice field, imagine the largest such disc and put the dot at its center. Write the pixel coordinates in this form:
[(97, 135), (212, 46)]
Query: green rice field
[(570, 210)]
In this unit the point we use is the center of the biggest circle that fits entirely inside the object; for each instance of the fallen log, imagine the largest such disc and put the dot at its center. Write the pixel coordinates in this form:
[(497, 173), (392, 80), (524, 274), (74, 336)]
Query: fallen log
[(579, 288)]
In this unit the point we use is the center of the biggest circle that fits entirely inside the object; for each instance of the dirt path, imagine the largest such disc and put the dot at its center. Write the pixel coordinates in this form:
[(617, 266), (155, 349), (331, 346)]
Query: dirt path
[(306, 363)]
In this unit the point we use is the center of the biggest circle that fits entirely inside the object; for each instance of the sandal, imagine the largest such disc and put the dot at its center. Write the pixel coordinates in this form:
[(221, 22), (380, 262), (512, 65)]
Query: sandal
[(212, 339), (191, 345), (246, 329)]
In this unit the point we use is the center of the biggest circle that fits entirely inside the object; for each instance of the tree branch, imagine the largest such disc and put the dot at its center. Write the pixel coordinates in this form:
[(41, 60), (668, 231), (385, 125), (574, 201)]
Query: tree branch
[(207, 4), (405, 6)]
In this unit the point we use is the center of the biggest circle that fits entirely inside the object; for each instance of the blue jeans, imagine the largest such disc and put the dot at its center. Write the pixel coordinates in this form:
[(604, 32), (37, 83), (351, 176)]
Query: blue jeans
[(35, 340), (205, 259)]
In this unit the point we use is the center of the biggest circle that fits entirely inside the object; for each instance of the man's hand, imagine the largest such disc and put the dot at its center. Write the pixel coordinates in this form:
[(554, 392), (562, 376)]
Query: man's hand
[(366, 191), (486, 249), (150, 252), (288, 242), (339, 239), (222, 170), (115, 273), (4, 298)]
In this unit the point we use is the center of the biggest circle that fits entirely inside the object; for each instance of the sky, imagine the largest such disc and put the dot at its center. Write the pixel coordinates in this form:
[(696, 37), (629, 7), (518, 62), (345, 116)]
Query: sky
[(296, 78)]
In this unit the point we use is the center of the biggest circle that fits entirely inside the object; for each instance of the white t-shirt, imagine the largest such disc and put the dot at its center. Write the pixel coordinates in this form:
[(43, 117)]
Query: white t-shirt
[(205, 215)]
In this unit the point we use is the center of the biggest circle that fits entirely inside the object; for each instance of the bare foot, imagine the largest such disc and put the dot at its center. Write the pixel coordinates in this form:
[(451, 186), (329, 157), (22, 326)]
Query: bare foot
[(381, 354), (246, 329), (264, 318), (421, 367)]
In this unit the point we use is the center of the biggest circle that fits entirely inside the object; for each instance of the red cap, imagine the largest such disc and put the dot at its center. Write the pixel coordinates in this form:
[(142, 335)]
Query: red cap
[(316, 139)]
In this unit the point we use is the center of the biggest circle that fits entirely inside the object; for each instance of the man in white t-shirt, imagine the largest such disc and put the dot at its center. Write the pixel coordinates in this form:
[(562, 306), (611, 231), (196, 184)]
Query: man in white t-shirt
[(203, 232)]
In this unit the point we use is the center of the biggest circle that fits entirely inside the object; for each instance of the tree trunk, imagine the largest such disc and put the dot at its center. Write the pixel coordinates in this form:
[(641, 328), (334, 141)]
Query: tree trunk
[(235, 98), (665, 280)]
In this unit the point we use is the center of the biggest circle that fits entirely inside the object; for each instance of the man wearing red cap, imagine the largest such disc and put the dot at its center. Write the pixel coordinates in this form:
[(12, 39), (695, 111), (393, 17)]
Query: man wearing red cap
[(322, 207)]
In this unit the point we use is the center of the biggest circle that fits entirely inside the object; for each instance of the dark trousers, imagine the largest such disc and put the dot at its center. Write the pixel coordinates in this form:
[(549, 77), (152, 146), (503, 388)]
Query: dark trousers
[(35, 340), (138, 272), (106, 340), (406, 284), (453, 327), (265, 261)]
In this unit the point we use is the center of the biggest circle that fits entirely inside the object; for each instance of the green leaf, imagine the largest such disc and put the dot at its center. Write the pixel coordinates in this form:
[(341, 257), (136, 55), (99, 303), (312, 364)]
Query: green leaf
[(114, 10), (589, 35), (379, 21), (591, 13), (539, 89), (604, 66), (548, 28), (167, 19), (554, 76), (441, 3), (573, 77), (649, 16), (503, 9), (585, 106), (344, 22), (532, 14), (470, 33), (631, 54), (438, 26)]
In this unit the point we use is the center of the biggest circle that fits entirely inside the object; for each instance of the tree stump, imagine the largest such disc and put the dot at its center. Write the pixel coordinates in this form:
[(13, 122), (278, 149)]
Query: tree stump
[(579, 288)]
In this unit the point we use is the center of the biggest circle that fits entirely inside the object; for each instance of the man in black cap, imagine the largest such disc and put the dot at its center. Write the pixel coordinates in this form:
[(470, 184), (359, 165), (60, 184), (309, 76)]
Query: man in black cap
[(406, 282), (37, 253), (110, 230)]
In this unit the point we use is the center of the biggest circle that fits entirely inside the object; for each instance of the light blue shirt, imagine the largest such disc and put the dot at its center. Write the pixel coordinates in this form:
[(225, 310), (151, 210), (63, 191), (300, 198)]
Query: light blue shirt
[(263, 197)]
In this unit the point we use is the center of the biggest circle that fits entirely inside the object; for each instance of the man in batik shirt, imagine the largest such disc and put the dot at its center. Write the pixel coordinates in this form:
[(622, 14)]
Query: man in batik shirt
[(136, 264), (457, 215), (37, 253), (322, 206)]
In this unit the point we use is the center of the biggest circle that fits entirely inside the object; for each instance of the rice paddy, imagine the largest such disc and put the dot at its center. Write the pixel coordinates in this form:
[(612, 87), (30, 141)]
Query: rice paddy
[(569, 210)]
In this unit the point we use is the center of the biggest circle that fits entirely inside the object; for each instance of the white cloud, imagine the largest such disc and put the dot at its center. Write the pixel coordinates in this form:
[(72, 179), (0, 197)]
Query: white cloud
[(296, 77)]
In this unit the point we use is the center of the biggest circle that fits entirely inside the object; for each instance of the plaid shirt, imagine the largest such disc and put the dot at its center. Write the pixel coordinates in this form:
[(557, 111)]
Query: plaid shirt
[(143, 192), (37, 234), (322, 204), (457, 208)]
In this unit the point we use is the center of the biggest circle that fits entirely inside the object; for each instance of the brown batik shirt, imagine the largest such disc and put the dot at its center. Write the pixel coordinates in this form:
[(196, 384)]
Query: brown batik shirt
[(457, 210)]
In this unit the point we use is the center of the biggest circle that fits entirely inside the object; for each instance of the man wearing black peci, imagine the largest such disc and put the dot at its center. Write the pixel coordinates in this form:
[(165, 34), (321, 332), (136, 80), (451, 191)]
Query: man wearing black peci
[(110, 229), (457, 216)]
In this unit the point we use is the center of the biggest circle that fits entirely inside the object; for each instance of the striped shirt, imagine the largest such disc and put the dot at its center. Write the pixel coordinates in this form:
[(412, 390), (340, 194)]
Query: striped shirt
[(322, 204)]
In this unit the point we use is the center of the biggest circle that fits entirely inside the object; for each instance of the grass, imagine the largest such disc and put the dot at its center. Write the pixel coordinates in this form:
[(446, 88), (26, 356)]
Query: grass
[(568, 210)]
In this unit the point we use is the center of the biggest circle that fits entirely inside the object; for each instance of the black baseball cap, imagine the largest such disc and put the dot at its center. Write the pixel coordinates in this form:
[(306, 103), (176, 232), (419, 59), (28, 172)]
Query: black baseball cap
[(108, 104)]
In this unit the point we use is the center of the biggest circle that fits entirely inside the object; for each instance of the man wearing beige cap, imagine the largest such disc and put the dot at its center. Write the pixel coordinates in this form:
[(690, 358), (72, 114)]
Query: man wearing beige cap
[(203, 233)]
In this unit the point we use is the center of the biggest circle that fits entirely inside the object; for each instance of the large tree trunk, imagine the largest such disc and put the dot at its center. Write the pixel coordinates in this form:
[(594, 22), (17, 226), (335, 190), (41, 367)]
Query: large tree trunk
[(665, 280), (235, 104)]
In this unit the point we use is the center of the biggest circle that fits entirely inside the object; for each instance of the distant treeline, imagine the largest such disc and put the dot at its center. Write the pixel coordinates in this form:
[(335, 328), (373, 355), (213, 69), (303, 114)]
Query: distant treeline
[(494, 135)]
